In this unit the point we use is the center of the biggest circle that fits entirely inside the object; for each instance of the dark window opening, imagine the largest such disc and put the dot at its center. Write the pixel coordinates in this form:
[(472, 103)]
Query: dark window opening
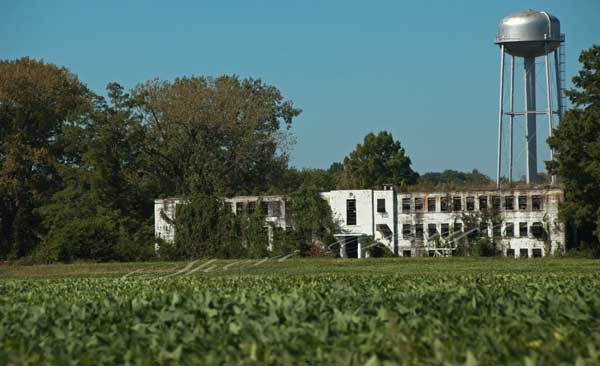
[(537, 230), (276, 209), (418, 204), (406, 231), (251, 207), (496, 229), (445, 230), (351, 246), (536, 203), (381, 205), (510, 253), (457, 227), (483, 202), (419, 231), (444, 204), (510, 230), (350, 212), (472, 232), (431, 231), (431, 253), (470, 203), (431, 204), (264, 208), (523, 229), (522, 202), (496, 202), (509, 202), (524, 253), (406, 253), (406, 205), (239, 208), (483, 228), (536, 253), (456, 204)]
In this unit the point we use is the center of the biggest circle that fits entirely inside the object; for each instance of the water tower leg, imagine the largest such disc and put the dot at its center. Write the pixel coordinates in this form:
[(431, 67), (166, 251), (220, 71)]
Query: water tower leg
[(530, 125), (500, 112), (558, 85), (549, 105), (510, 123)]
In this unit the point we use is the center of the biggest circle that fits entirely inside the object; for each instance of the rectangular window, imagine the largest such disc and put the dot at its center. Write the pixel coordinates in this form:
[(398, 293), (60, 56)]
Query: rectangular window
[(536, 253), (276, 209), (510, 229), (431, 253), (496, 229), (406, 231), (418, 204), (496, 202), (406, 253), (470, 203), (523, 229), (264, 208), (457, 228), (381, 205), (537, 230), (444, 204), (431, 204), (457, 203), (510, 253), (509, 202), (483, 229), (350, 212), (483, 202), (536, 203), (522, 202), (524, 253), (445, 230), (431, 231), (251, 207), (406, 205), (239, 208), (419, 231)]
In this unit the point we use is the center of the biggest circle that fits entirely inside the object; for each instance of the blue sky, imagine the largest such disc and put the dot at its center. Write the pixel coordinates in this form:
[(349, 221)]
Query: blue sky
[(427, 71)]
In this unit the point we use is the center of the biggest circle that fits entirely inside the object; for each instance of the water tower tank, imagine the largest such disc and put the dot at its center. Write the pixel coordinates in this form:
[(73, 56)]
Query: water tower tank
[(529, 33)]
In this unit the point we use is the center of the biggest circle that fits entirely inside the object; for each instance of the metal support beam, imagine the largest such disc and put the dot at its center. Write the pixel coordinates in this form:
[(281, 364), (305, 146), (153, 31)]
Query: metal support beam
[(500, 113), (512, 117), (530, 122), (549, 106), (558, 84)]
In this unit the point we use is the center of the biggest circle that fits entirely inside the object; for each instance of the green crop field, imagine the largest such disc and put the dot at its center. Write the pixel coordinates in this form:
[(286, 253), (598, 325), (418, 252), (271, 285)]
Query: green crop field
[(303, 312)]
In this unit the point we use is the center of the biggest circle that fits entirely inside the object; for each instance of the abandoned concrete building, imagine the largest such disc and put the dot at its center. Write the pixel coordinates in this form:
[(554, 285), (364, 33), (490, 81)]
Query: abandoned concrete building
[(523, 222), (273, 208)]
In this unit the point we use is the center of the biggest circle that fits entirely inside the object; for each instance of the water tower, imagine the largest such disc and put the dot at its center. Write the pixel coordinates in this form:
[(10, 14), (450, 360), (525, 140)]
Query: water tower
[(528, 35)]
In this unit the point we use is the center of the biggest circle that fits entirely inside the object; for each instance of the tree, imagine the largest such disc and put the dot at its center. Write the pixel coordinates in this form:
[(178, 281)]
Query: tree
[(36, 100), (378, 160), (576, 143), (218, 136), (452, 179)]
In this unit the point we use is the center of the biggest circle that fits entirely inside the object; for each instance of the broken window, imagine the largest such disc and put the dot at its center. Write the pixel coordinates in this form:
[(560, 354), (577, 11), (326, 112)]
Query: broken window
[(419, 231), (536, 253), (276, 209), (264, 208), (510, 253), (496, 202), (509, 202), (431, 204), (381, 205), (431, 231), (537, 230), (522, 202), (483, 228), (457, 203), (418, 204), (406, 253), (510, 230), (523, 229), (406, 205), (483, 202), (457, 227), (496, 229), (406, 231), (524, 253), (536, 203), (470, 203), (251, 207), (239, 208), (351, 212), (445, 230), (444, 204)]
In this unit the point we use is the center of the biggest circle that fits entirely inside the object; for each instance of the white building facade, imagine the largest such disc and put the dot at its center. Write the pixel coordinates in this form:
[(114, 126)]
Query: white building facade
[(521, 222)]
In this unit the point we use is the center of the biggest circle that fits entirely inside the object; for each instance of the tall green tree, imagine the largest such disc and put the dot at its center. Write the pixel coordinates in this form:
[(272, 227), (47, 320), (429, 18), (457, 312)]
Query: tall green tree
[(36, 100), (217, 136), (378, 160), (576, 143)]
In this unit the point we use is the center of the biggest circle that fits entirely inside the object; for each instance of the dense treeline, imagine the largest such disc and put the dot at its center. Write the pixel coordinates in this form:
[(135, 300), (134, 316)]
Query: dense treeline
[(79, 171)]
